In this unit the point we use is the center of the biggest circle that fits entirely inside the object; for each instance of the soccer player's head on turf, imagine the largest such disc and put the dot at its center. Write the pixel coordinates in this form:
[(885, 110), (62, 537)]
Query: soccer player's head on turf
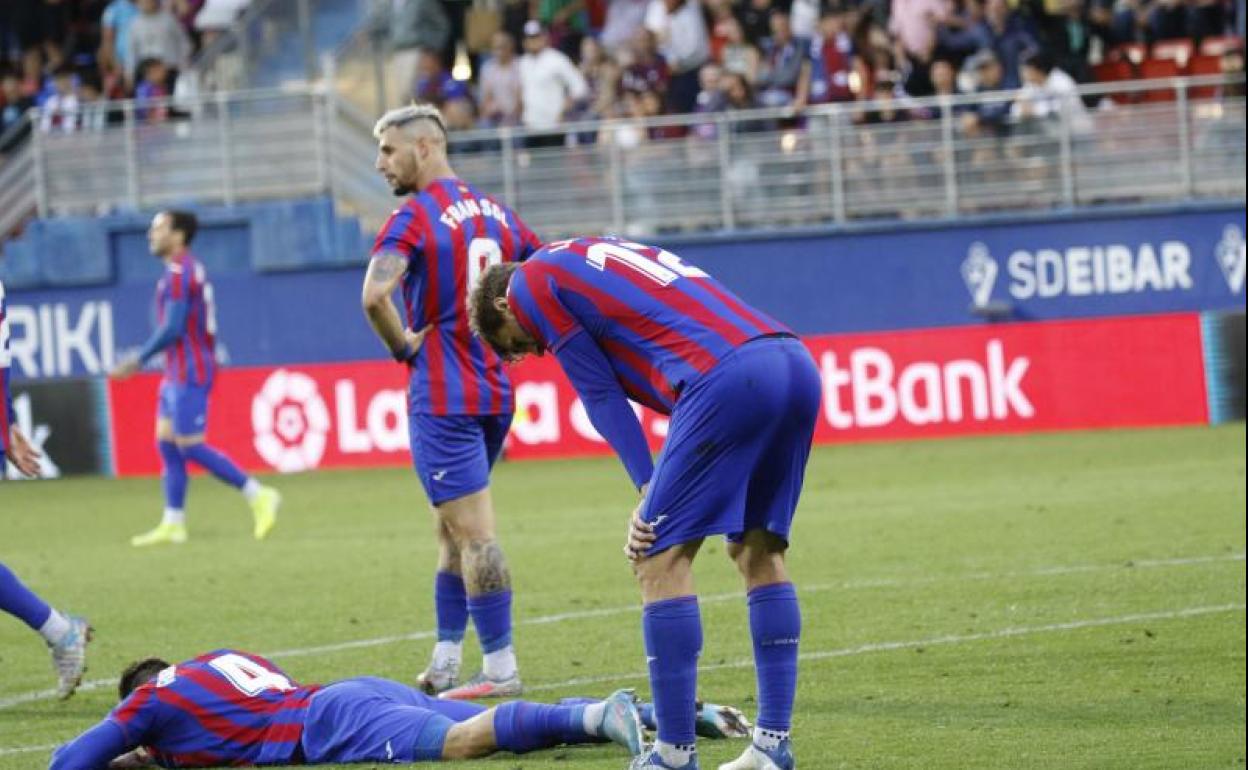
[(171, 232), (138, 674), (492, 318), (411, 148)]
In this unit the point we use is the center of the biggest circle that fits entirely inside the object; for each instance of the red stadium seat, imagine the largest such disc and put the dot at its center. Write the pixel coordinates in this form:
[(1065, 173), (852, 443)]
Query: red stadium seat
[(1132, 52), (1151, 69), (1112, 71), (1216, 46), (1180, 51), (1204, 65)]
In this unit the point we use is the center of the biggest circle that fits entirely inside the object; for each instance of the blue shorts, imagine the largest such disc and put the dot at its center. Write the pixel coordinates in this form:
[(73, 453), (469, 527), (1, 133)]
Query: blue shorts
[(186, 406), (453, 453), (377, 720), (737, 446)]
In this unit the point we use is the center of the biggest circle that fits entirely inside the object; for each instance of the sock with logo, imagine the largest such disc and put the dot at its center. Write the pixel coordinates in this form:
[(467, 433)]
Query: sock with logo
[(520, 726), (491, 615), (450, 606), (216, 463), (173, 475), (776, 626), (673, 637), (21, 602)]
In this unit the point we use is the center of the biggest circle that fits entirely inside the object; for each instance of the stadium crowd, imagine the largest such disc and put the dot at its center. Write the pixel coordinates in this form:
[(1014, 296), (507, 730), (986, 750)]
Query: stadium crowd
[(540, 63), (69, 57)]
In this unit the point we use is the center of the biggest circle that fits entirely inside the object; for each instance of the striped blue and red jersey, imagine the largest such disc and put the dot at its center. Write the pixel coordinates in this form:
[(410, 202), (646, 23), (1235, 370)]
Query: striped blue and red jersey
[(224, 708), (6, 395), (659, 322), (191, 355), (449, 233)]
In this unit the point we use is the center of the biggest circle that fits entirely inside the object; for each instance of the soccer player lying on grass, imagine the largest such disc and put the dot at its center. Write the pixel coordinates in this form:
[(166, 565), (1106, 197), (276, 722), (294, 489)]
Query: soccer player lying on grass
[(228, 708), (627, 320)]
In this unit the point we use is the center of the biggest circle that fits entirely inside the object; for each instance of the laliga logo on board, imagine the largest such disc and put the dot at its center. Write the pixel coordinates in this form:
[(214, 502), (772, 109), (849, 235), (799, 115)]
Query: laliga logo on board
[(290, 421), (1230, 255), (979, 271)]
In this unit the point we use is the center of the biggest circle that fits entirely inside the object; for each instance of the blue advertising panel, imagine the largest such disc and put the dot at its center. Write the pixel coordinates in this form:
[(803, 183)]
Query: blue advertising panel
[(903, 278)]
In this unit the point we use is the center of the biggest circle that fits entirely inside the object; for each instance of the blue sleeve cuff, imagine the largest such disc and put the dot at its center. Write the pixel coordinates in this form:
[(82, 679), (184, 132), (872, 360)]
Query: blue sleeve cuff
[(92, 750)]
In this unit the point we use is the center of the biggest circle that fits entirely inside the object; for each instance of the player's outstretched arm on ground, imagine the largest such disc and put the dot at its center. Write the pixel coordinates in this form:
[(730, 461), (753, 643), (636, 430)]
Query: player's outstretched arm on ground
[(93, 750)]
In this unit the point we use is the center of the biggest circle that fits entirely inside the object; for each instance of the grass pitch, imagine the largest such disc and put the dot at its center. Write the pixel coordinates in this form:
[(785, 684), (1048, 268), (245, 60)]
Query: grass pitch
[(1049, 601)]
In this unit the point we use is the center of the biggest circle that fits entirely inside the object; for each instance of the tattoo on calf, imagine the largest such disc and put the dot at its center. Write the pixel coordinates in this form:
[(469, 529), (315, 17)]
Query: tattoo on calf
[(485, 569)]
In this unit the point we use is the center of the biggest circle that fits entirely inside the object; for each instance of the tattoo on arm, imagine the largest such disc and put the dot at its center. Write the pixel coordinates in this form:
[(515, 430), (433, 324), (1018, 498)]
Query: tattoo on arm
[(385, 269), (485, 569)]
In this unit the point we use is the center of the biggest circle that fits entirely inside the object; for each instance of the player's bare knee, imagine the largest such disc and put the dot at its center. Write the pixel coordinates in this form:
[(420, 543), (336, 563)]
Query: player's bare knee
[(468, 740), (185, 442)]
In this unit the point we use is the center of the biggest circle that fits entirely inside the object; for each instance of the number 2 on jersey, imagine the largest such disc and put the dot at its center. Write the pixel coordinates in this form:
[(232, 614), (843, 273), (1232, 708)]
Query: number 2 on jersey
[(250, 677), (482, 253)]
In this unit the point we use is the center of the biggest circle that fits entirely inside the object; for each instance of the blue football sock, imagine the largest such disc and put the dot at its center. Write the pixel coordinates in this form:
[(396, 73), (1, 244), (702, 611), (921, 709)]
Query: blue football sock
[(776, 626), (215, 463), (491, 614), (19, 601), (673, 637), (450, 603), (521, 726), (174, 474)]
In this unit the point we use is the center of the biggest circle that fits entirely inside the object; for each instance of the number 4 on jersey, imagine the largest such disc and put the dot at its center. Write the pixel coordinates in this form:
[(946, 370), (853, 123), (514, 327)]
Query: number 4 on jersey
[(249, 676)]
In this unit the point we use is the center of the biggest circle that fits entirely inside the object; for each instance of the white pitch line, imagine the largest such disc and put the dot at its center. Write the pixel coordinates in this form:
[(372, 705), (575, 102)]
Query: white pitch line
[(865, 649), (94, 684)]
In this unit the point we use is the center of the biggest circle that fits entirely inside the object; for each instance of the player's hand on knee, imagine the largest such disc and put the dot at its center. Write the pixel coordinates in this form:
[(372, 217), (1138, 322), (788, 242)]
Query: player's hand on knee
[(640, 537), (23, 454)]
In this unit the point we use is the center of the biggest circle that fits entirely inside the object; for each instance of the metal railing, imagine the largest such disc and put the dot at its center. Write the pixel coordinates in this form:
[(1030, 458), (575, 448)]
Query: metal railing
[(722, 171)]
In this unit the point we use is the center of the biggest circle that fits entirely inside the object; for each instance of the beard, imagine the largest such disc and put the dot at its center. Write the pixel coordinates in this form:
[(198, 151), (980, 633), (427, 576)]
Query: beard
[(401, 190)]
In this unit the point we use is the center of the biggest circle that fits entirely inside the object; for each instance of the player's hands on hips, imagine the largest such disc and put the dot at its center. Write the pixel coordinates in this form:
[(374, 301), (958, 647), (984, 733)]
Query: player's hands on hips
[(640, 533), (416, 339), (124, 369), (22, 453)]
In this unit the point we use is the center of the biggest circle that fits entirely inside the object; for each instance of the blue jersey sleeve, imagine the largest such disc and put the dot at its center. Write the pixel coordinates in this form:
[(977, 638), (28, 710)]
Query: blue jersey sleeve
[(402, 234), (606, 404), (136, 716), (92, 750), (173, 327), (6, 395)]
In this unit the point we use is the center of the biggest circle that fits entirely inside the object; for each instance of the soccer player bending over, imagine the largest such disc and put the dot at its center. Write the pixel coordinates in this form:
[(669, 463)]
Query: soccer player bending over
[(229, 707), (66, 635), (625, 321), (460, 403), (187, 316)]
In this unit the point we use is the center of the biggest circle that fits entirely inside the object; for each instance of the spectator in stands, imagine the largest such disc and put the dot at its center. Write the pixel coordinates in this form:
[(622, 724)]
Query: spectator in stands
[(738, 54), (95, 112), (433, 84), (825, 75), (551, 86), (114, 53), (1167, 19), (499, 83), (804, 18), (711, 99), (914, 24), (990, 118), (13, 105), (565, 21), (413, 26), (738, 95), (1047, 93), (215, 17), (156, 34), (956, 33), (1005, 32), (59, 112), (646, 69), (624, 19), (1068, 34), (151, 93), (680, 31), (783, 56), (755, 18), (602, 75)]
